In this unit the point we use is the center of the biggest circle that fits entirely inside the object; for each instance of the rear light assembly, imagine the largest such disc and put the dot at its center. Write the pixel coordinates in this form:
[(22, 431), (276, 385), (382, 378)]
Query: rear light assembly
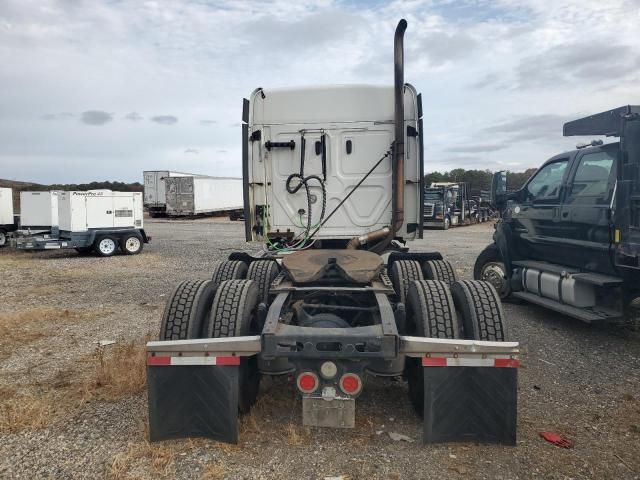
[(308, 382), (350, 383)]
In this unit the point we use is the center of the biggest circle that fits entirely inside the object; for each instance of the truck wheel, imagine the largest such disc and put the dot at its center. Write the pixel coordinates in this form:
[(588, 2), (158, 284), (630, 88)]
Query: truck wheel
[(403, 272), (431, 313), (439, 270), (479, 306), (187, 310), (490, 268), (229, 270), (105, 246), (3, 237), (233, 314), (263, 272), (131, 244)]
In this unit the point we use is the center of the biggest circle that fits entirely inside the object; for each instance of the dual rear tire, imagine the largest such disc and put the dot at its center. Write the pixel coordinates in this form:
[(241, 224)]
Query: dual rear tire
[(225, 306), (468, 309)]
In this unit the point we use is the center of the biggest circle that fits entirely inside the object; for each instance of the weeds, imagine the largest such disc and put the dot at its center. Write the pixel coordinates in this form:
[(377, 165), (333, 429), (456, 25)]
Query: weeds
[(118, 371), (25, 411), (160, 457)]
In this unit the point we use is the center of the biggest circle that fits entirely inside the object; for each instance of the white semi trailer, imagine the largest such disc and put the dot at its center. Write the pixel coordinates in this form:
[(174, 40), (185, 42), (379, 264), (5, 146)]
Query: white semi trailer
[(189, 196), (155, 199), (7, 218), (101, 221)]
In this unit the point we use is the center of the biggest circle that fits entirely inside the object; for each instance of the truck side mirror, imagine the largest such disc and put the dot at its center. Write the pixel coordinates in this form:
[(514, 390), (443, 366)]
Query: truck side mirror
[(499, 189)]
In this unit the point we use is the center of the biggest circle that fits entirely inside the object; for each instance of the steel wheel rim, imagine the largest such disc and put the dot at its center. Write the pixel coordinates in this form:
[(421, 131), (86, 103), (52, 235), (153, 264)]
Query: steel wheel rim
[(132, 244), (3, 239), (494, 273), (107, 246)]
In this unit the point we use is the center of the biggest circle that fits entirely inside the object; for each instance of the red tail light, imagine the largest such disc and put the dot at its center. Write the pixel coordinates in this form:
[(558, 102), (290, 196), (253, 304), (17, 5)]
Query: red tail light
[(350, 384), (308, 382)]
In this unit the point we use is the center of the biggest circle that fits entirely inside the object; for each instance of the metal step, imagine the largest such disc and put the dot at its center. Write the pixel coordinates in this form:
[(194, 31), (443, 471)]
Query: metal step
[(588, 316), (545, 266), (597, 279)]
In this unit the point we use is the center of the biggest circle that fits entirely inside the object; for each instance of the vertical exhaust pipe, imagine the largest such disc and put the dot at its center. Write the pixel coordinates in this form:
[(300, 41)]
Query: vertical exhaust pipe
[(397, 168)]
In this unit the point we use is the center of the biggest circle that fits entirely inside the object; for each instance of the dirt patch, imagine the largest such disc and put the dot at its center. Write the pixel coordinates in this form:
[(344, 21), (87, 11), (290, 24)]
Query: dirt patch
[(25, 326)]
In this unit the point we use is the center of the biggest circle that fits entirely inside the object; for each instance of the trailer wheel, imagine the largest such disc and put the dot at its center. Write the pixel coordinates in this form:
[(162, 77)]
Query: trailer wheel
[(228, 270), (490, 267), (187, 310), (131, 244), (479, 306), (263, 272), (233, 314), (3, 237), (403, 272), (439, 270), (105, 246)]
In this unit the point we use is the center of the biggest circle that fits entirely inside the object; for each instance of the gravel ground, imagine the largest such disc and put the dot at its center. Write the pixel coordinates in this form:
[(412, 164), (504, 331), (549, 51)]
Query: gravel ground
[(576, 380)]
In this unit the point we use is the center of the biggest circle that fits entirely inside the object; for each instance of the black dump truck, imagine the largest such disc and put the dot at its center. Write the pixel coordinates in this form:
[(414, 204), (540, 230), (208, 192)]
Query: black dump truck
[(569, 239)]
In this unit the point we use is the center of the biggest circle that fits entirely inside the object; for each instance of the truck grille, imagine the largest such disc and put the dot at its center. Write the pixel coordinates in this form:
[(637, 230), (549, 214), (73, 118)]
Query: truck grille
[(428, 209)]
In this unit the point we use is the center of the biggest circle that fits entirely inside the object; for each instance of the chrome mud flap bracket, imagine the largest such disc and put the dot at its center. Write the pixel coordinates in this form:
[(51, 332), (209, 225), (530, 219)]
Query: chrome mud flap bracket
[(193, 387), (470, 389)]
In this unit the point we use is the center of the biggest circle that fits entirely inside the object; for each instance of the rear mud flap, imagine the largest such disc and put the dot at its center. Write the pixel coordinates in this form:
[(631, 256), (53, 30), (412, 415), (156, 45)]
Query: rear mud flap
[(470, 404), (193, 401)]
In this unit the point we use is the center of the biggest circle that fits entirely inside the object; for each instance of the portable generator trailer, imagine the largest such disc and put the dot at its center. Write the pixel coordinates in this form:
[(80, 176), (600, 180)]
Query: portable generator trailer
[(333, 186), (569, 239), (8, 220), (99, 221)]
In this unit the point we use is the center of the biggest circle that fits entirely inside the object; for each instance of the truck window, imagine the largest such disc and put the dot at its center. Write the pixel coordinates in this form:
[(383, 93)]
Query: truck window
[(594, 179), (545, 185)]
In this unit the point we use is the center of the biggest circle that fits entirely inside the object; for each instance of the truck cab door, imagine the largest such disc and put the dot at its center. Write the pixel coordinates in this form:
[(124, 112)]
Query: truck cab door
[(585, 222), (535, 218)]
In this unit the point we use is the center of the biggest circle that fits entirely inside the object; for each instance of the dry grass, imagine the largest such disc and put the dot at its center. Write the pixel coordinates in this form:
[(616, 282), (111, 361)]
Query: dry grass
[(18, 412), (213, 471), (160, 457), (297, 435), (118, 371), (25, 326)]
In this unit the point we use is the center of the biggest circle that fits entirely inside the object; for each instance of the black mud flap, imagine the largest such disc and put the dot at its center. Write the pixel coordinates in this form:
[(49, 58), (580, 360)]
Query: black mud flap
[(470, 404), (193, 401)]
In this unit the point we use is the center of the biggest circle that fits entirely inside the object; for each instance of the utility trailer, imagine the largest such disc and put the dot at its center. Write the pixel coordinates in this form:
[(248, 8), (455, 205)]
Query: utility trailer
[(99, 221), (191, 196), (569, 239), (8, 221), (332, 189), (155, 198)]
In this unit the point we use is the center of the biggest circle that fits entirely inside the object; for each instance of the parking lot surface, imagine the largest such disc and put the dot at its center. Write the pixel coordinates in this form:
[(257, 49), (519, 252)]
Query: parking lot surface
[(72, 408)]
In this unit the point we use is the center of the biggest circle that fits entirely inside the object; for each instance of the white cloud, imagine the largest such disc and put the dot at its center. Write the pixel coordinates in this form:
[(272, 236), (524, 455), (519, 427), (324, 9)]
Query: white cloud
[(497, 77)]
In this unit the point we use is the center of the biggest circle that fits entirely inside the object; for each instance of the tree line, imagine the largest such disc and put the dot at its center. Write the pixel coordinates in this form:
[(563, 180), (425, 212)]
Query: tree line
[(478, 180)]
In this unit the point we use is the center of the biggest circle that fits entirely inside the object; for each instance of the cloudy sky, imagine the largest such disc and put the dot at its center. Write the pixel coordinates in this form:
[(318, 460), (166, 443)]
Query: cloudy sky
[(97, 90)]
